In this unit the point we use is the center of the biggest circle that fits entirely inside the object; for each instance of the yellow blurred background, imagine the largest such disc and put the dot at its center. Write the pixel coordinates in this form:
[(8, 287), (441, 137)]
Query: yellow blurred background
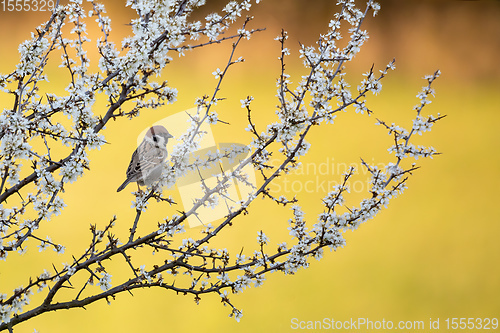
[(434, 253)]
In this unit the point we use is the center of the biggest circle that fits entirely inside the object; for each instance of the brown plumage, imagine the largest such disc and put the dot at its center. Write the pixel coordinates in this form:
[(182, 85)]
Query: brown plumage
[(147, 160)]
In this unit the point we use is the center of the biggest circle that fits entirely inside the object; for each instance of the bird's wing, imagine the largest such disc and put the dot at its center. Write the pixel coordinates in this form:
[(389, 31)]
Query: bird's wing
[(145, 158), (132, 167)]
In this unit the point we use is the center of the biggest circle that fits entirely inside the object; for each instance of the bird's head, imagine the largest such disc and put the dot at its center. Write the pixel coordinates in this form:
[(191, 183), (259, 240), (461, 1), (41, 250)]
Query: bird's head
[(158, 135)]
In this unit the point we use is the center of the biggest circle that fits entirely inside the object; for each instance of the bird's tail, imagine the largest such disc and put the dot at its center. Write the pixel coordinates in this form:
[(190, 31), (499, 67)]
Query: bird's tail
[(122, 186)]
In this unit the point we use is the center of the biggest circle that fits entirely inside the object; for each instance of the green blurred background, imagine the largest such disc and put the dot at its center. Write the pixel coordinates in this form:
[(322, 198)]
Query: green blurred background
[(434, 253)]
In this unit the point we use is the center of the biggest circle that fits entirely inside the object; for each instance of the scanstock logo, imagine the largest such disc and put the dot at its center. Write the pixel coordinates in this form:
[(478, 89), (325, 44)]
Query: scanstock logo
[(190, 186)]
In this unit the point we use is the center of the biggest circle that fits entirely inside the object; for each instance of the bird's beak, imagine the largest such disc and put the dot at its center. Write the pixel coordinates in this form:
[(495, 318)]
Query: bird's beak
[(169, 136)]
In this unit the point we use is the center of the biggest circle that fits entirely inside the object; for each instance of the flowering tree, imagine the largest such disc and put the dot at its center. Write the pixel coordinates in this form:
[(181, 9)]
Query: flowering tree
[(33, 176)]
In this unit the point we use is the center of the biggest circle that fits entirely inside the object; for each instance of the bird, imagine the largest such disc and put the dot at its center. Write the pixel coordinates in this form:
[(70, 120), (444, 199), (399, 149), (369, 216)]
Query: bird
[(147, 160)]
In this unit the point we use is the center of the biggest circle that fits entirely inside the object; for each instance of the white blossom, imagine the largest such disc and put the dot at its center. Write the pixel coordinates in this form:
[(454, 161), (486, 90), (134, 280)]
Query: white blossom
[(105, 281), (217, 74), (262, 238)]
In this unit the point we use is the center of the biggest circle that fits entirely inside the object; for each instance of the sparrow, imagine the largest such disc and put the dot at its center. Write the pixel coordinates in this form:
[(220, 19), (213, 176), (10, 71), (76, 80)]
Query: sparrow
[(147, 160)]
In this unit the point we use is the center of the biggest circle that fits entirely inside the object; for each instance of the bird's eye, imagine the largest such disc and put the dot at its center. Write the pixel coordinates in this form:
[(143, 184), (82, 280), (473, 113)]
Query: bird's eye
[(155, 139)]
